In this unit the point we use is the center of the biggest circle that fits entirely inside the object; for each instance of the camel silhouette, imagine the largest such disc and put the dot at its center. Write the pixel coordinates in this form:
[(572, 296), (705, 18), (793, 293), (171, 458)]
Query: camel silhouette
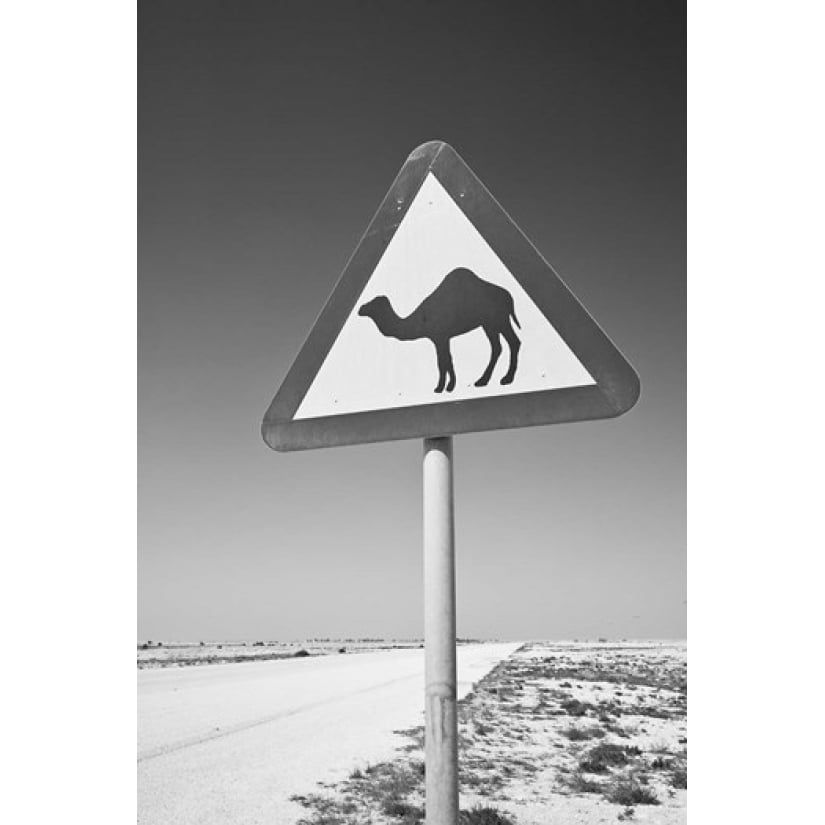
[(460, 303)]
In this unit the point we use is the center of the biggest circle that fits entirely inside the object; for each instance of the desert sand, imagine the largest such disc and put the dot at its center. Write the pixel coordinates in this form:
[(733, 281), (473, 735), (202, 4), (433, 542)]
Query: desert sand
[(578, 732), (556, 733)]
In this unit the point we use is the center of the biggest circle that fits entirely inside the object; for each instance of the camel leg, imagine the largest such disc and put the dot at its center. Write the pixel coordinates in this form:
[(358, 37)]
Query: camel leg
[(442, 354), (495, 351), (450, 368), (515, 345)]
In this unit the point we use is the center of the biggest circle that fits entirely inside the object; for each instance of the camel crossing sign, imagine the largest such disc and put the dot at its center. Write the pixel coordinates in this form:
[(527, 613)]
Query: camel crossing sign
[(446, 320)]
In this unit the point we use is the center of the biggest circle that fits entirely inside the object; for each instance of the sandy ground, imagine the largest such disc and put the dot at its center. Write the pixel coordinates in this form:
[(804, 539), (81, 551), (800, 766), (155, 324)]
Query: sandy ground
[(629, 696), (558, 733), (233, 742)]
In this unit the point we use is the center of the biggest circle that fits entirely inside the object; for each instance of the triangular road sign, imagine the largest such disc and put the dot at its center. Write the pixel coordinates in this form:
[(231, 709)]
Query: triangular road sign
[(446, 320)]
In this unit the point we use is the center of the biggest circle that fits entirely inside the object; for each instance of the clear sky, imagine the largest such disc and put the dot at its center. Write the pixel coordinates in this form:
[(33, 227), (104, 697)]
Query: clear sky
[(268, 134)]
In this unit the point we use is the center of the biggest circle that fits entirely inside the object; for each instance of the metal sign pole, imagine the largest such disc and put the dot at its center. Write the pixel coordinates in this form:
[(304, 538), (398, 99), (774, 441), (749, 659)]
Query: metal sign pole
[(441, 736)]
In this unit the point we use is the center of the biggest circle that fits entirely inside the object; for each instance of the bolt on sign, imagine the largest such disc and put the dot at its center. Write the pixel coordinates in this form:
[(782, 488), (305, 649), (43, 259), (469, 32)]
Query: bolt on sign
[(446, 320)]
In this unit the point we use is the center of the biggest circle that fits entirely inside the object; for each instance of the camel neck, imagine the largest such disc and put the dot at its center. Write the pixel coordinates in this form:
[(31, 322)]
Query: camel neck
[(392, 325)]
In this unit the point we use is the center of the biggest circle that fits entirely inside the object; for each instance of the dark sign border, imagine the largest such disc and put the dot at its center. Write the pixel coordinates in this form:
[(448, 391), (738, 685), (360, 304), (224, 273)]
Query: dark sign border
[(617, 384)]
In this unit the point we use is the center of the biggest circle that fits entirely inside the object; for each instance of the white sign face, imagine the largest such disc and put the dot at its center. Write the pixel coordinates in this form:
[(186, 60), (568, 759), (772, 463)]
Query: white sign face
[(393, 352)]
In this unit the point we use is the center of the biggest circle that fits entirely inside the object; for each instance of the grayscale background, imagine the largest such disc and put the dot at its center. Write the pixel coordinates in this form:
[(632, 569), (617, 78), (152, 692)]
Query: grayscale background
[(268, 134)]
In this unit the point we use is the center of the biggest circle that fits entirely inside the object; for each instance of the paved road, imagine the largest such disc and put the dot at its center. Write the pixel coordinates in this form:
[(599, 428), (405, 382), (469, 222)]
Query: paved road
[(231, 743)]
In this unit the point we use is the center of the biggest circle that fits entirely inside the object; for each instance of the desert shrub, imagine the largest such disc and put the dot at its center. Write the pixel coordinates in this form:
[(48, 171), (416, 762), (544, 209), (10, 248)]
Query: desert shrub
[(679, 778), (578, 783), (323, 819), (576, 708), (581, 734), (652, 712), (300, 654), (629, 792), (620, 731), (607, 755), (399, 808), (610, 708), (325, 811), (483, 816), (389, 782), (314, 800)]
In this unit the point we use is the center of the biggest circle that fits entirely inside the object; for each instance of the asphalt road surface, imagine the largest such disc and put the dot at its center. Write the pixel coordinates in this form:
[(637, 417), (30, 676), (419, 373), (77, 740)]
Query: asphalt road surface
[(231, 743)]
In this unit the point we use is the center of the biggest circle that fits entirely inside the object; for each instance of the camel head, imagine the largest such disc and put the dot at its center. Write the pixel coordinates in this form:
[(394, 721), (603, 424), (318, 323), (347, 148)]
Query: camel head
[(379, 307), (381, 311)]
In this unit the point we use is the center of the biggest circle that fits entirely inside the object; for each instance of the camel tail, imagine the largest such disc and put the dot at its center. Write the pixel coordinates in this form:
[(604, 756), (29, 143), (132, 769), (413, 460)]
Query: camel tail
[(513, 316)]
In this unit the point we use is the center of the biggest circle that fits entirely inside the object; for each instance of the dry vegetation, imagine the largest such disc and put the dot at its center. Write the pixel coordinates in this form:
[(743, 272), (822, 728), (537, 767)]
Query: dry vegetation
[(556, 732), (152, 654)]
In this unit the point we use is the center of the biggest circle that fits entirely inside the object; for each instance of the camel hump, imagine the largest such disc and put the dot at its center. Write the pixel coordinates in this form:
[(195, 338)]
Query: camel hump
[(462, 275), (466, 283)]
